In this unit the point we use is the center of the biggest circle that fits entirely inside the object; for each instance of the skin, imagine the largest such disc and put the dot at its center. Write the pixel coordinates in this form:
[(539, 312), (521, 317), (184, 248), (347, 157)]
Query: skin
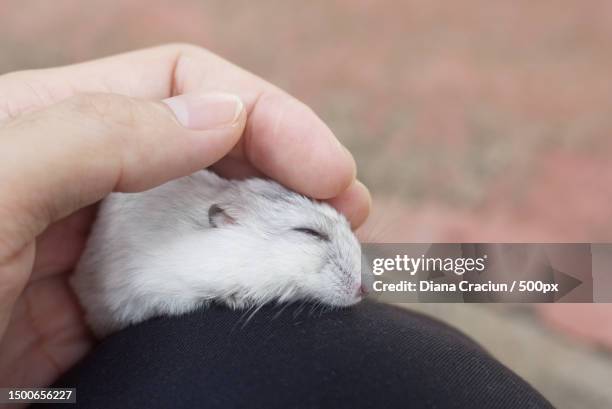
[(71, 135)]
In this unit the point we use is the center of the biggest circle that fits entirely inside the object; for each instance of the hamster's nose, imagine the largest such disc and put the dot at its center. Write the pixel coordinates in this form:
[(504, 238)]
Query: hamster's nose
[(362, 291)]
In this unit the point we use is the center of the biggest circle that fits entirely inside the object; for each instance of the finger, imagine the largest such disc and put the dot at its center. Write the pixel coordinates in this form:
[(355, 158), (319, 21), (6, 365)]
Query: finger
[(59, 247), (274, 145), (284, 139), (355, 203), (62, 158), (13, 280)]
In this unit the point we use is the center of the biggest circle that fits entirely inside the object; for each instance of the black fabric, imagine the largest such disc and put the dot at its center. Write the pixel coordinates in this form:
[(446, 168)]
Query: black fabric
[(367, 356)]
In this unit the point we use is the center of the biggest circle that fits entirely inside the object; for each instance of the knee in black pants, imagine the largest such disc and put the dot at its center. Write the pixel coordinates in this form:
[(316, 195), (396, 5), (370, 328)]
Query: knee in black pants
[(370, 355)]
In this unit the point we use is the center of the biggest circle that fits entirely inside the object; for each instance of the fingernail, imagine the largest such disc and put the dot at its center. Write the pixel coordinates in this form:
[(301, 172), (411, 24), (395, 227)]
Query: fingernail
[(206, 111)]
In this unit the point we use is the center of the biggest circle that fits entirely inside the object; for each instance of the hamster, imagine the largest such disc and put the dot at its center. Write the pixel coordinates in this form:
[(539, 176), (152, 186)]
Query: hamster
[(202, 238)]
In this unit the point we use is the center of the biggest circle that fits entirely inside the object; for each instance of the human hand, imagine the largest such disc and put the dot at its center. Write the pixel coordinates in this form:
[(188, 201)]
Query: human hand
[(71, 135)]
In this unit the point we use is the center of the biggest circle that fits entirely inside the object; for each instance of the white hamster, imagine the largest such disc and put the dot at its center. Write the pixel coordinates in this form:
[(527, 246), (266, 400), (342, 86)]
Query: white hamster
[(201, 238)]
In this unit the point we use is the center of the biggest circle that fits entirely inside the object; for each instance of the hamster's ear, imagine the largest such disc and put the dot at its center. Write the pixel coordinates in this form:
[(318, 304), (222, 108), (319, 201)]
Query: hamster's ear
[(217, 217)]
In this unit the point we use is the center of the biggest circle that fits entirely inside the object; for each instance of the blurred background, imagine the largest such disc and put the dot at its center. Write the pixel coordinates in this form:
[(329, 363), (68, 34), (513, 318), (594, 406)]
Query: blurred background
[(470, 121)]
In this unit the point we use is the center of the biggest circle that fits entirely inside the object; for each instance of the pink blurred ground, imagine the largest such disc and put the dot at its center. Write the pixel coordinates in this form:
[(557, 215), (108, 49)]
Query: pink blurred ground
[(584, 321), (470, 121)]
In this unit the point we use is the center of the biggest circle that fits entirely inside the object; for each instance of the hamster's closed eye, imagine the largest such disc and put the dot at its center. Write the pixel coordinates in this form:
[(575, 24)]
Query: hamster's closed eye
[(312, 232)]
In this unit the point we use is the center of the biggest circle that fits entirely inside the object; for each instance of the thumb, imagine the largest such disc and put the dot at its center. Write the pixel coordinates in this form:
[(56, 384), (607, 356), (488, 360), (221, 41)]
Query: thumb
[(72, 154)]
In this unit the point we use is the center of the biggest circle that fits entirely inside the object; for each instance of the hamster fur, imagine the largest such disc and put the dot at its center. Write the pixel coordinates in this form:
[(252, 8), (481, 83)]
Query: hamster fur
[(201, 238)]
